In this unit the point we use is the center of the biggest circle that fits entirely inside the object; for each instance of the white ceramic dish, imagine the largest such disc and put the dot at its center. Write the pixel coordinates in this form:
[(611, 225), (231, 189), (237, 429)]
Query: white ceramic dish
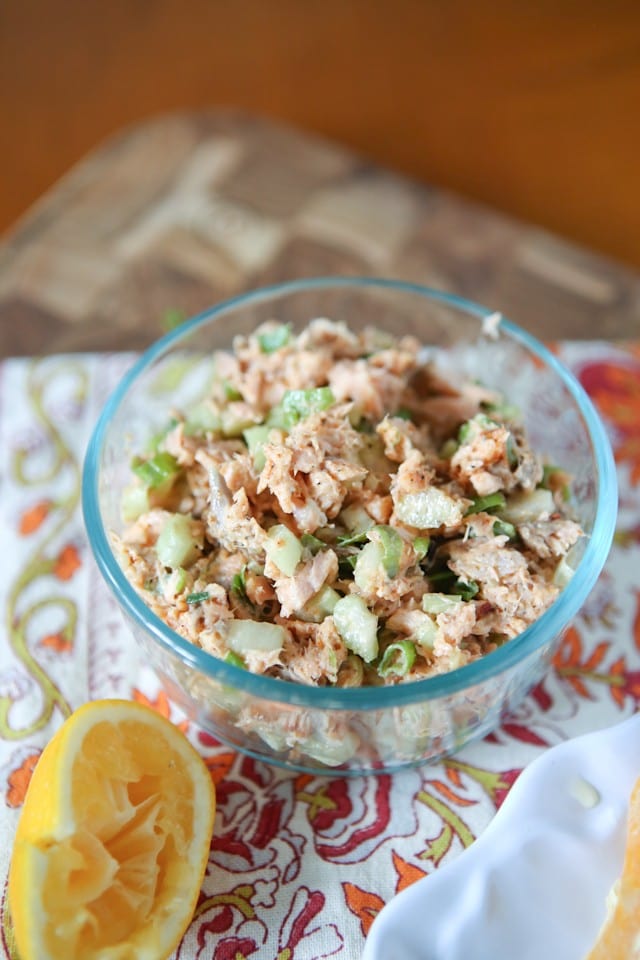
[(534, 885)]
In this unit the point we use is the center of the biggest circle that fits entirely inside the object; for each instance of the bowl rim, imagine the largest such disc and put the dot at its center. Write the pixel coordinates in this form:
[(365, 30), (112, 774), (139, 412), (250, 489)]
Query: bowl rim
[(276, 690)]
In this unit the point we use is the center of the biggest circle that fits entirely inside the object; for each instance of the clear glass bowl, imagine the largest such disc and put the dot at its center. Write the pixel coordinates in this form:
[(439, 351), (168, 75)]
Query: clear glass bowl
[(370, 729)]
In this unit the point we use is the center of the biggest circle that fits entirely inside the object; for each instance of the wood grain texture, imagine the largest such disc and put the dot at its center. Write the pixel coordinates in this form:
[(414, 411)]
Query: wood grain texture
[(530, 107), (180, 212)]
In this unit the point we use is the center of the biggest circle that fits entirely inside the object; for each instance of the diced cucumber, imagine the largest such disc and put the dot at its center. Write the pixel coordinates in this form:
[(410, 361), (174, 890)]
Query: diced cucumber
[(357, 626), (425, 634), (332, 751), (135, 502), (436, 603), (251, 636), (391, 548), (368, 565), (563, 573), (283, 549), (356, 519), (429, 509), (320, 605), (255, 439), (421, 546), (176, 546), (527, 507)]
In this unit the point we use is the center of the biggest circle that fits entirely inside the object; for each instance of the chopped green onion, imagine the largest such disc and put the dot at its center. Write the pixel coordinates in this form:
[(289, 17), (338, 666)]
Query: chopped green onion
[(155, 471), (238, 584), (230, 392), (351, 539), (397, 659), (272, 340), (311, 543), (421, 546), (493, 501), (441, 576), (466, 589), (235, 660), (501, 528), (298, 404), (197, 597), (403, 413), (346, 566), (448, 448), (512, 452), (504, 410)]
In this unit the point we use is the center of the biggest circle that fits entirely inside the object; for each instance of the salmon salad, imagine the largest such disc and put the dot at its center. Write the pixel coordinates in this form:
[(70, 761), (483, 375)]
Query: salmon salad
[(337, 511)]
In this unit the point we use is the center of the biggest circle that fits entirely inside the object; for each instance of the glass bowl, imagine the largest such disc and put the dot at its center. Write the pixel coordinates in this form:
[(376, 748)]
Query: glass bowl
[(368, 729)]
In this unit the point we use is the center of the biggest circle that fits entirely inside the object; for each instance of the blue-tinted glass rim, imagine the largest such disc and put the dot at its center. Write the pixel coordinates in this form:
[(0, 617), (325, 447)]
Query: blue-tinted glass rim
[(365, 698)]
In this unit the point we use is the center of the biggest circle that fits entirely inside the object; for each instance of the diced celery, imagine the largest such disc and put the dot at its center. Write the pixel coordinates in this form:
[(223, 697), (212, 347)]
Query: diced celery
[(397, 659), (298, 404), (274, 338), (527, 507), (176, 546), (202, 418), (320, 605), (368, 565), (255, 439), (277, 419), (436, 603), (157, 470), (429, 509), (251, 636), (391, 548), (283, 549), (135, 501), (357, 626), (235, 421)]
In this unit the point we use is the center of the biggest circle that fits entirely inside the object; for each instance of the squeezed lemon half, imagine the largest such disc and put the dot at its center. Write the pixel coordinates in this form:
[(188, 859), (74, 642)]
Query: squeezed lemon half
[(113, 840), (619, 938)]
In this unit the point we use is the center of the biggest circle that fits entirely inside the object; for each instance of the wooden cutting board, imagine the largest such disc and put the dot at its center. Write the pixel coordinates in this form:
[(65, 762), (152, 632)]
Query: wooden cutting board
[(179, 212)]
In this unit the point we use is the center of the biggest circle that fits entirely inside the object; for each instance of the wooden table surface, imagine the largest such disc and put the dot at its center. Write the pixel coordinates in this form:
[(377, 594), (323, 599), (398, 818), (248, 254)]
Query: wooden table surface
[(179, 212)]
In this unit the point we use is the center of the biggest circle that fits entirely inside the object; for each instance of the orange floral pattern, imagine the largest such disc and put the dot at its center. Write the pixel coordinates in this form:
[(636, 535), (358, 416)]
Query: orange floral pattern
[(300, 864)]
